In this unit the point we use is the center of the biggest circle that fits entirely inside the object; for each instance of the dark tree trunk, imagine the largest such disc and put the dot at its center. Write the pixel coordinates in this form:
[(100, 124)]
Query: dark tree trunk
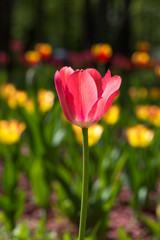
[(36, 32), (88, 25), (5, 23), (101, 19), (122, 41), (40, 21)]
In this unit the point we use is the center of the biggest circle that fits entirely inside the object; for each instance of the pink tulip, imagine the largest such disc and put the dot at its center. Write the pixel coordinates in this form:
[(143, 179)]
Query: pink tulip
[(84, 95)]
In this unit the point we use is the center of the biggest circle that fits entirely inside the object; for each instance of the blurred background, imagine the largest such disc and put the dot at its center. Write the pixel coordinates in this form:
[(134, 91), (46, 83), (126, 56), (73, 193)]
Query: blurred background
[(77, 25), (41, 152)]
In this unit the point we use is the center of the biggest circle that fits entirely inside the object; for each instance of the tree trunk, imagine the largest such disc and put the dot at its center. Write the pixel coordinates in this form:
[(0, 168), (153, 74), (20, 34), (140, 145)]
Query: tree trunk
[(122, 41), (5, 23)]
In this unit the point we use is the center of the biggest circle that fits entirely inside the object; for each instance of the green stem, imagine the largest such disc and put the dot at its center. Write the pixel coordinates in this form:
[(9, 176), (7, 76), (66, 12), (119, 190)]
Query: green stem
[(84, 199)]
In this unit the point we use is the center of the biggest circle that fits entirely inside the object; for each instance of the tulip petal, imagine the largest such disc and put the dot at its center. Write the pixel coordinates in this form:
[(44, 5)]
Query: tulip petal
[(62, 98), (97, 78), (81, 91), (63, 75), (102, 105), (105, 79)]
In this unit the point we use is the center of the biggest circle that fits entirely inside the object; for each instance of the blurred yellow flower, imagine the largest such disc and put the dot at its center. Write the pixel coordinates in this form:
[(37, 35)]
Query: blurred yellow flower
[(44, 49), (102, 52), (136, 94), (133, 93), (142, 92), (29, 105), (10, 131), (94, 134), (45, 100), (140, 58), (112, 115), (7, 90), (139, 136), (32, 57), (142, 112), (21, 96)]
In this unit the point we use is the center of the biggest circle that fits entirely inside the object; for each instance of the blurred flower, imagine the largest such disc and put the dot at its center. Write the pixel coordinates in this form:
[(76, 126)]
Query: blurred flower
[(143, 46), (142, 93), (94, 134), (154, 115), (7, 90), (102, 52), (158, 211), (136, 94), (112, 116), (154, 93), (4, 58), (10, 131), (79, 59), (142, 112), (32, 57), (45, 100), (44, 49), (157, 70), (140, 59), (84, 95), (139, 136), (29, 105), (21, 96), (133, 93), (16, 45), (15, 97)]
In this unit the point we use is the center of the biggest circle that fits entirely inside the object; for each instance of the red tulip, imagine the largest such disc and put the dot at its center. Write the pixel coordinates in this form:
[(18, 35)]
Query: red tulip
[(84, 95)]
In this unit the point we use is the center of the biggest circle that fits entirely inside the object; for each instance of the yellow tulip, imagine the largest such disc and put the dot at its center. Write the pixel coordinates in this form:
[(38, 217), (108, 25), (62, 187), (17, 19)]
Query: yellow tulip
[(94, 134), (45, 100), (142, 112), (10, 131), (139, 136), (112, 115)]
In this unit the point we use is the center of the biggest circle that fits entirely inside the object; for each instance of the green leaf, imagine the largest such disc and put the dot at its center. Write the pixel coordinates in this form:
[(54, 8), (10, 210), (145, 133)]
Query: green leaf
[(5, 203), (10, 177), (151, 224), (38, 182), (122, 234)]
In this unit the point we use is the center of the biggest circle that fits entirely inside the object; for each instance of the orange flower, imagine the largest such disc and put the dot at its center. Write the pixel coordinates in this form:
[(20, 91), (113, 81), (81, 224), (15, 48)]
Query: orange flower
[(140, 59), (139, 136), (154, 115), (44, 49), (32, 57), (143, 46), (10, 131), (102, 52)]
